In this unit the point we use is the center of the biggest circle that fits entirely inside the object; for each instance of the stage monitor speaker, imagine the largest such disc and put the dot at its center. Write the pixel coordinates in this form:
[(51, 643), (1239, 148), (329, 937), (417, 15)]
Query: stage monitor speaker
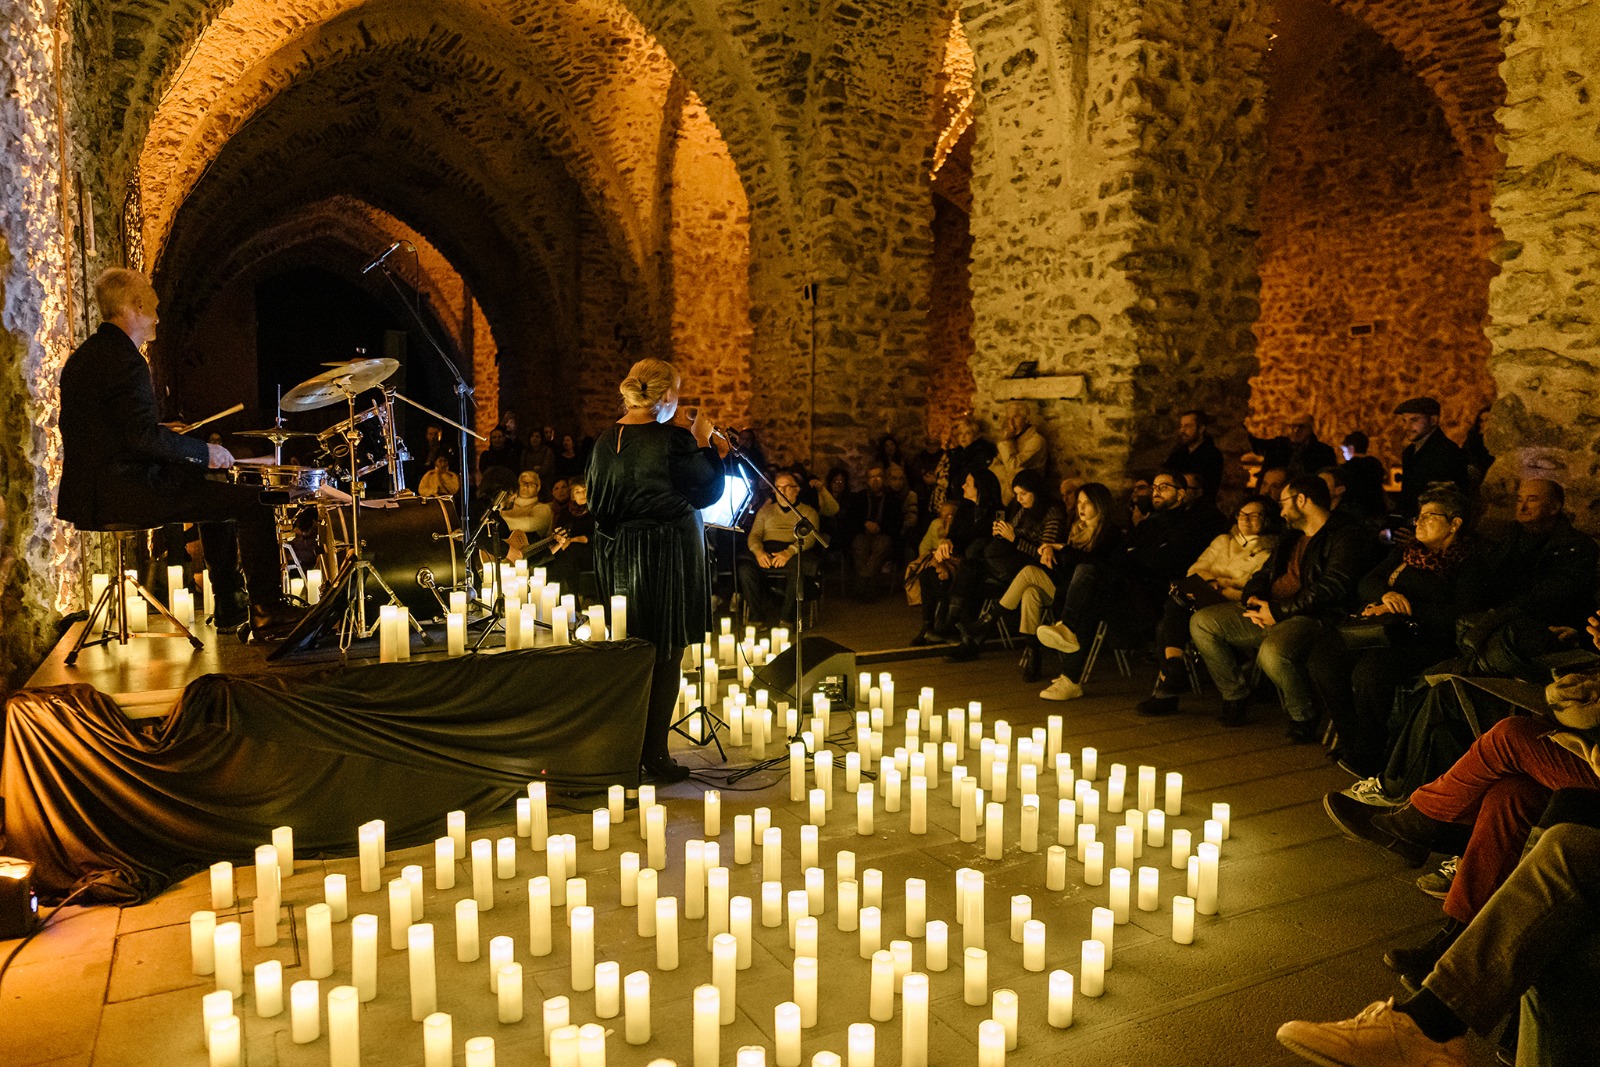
[(822, 659), (19, 904)]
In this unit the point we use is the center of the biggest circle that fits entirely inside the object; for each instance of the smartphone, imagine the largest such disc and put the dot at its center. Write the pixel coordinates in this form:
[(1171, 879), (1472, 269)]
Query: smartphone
[(1000, 516)]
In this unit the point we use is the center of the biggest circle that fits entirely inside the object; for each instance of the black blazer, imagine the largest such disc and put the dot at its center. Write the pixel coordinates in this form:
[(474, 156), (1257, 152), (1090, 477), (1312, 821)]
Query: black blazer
[(114, 451), (1438, 460)]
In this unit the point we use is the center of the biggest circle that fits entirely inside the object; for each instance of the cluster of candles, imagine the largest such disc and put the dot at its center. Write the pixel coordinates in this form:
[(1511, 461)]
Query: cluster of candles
[(180, 598), (981, 767)]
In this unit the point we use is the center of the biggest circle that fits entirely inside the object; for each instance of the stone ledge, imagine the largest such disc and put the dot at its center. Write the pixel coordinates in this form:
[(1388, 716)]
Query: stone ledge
[(1045, 387)]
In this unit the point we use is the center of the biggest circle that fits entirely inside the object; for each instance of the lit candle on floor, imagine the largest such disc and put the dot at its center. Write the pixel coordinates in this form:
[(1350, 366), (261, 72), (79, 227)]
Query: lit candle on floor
[(1055, 868), (919, 804), (1094, 858), (629, 888), (805, 989), (1133, 820), (319, 940), (1119, 893), (269, 989), (224, 1042), (725, 973), (344, 1027), (1147, 787), (202, 943), (772, 854), (1089, 764), (636, 1007), (608, 989), (975, 976), (1021, 912), (1033, 945), (1213, 832), (994, 826), (424, 980), (467, 943), (601, 830), (444, 863), (1206, 898), (509, 996), (1004, 1009), (438, 1041), (818, 809), (713, 813), (616, 803), (480, 1052), (805, 936), (1059, 1012), (582, 948), (786, 1034), (557, 1011), (1102, 928), (364, 955), (694, 879), (809, 848), (848, 905), (991, 1044), (1155, 828), (1174, 797), (771, 904), (871, 935), (936, 945), (411, 874), (816, 901), (1180, 849), (1183, 920), (305, 1012), (1093, 969), (741, 918), (455, 627), (483, 874), (707, 1026), (456, 829), (399, 913), (1149, 889), (221, 888), (1030, 828), (655, 837), (914, 1021), (716, 901), (741, 839), (862, 1045), (916, 907), (539, 918), (666, 933), (539, 816)]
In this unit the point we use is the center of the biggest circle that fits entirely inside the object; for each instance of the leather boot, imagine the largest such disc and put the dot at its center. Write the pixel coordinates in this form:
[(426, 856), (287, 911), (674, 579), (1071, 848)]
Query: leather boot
[(1030, 662), (1417, 961)]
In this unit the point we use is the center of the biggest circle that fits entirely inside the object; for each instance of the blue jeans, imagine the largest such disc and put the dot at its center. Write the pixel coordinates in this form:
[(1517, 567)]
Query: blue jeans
[(1284, 653)]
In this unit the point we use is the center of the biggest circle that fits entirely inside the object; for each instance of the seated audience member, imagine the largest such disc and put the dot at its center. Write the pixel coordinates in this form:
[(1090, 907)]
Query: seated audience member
[(560, 499), (1298, 451), (1202, 509), (1032, 521), (1092, 536), (1288, 612), (435, 446), (539, 455), (499, 453), (1126, 590), (1270, 482), (1476, 451), (1344, 501), (973, 522), (440, 480), (836, 504), (570, 460), (886, 450), (775, 548), (879, 515), (937, 532), (1532, 936), (1429, 456), (912, 521), (1140, 505), (496, 486), (1021, 447), (1364, 476), (1419, 590), (1493, 796), (1196, 452), (528, 520), (573, 551), (972, 452), (1225, 567), (1540, 567)]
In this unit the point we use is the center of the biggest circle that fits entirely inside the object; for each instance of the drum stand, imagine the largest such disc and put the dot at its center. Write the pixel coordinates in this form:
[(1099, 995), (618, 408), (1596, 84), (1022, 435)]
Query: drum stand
[(351, 579)]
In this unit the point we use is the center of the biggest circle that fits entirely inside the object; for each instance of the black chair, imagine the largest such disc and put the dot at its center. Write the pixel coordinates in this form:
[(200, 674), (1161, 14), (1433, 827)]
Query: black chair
[(114, 599)]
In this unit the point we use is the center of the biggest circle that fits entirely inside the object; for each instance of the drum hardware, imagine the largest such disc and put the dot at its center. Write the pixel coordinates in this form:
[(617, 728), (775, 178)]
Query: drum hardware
[(185, 427)]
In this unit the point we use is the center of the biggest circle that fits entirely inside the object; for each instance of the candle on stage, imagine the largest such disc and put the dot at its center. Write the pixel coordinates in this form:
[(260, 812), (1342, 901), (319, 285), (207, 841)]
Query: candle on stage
[(805, 936), (1134, 819), (501, 952), (809, 851), (467, 944), (138, 607), (1174, 799), (1093, 969), (1094, 863), (1059, 1012), (203, 944), (515, 620), (455, 625), (741, 839), (871, 931), (786, 1034), (582, 919), (771, 904), (424, 979), (872, 888), (1149, 889), (994, 825), (716, 901), (1213, 832), (364, 955), (629, 889), (1206, 896), (479, 1052), (1180, 848), (864, 801), (694, 880), (666, 933), (646, 902), (724, 974), (816, 902), (305, 1012), (214, 1007), (636, 1007), (707, 1026), (1086, 835), (1119, 893), (539, 921), (557, 1011), (438, 1041), (713, 813), (1103, 928), (741, 917), (370, 836), (600, 835), (319, 940), (344, 1027), (936, 945), (919, 804), (975, 980), (772, 854), (560, 634), (1192, 885), (1055, 877), (223, 1041), (818, 808), (655, 837), (483, 874), (798, 903), (269, 989), (388, 637), (1183, 920), (1004, 1008), (1124, 847), (1155, 828), (509, 996), (1030, 827)]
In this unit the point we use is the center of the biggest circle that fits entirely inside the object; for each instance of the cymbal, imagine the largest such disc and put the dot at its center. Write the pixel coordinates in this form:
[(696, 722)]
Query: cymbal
[(276, 436), (334, 385)]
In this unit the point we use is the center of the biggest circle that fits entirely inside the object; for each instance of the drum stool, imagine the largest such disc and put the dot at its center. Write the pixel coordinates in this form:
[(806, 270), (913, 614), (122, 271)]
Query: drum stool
[(115, 597)]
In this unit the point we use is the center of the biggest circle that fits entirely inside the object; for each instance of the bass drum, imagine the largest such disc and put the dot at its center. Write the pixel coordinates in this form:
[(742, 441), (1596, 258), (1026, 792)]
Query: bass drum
[(419, 535)]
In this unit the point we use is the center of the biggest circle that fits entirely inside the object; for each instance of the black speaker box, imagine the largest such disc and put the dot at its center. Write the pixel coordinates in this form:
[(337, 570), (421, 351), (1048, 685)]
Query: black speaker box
[(821, 659), (19, 904)]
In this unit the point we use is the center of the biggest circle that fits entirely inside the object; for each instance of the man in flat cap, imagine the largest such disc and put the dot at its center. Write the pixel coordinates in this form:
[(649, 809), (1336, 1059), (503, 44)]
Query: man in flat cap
[(1429, 455)]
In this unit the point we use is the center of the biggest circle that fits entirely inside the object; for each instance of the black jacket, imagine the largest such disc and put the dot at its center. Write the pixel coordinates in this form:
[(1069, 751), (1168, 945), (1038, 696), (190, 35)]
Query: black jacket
[(1206, 461), (1438, 460), (114, 451), (1548, 576), (1308, 457), (1338, 555), (1159, 550)]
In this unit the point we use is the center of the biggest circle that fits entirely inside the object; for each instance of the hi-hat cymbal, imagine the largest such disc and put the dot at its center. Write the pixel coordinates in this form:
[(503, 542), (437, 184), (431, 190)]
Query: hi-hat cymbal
[(276, 436), (334, 385)]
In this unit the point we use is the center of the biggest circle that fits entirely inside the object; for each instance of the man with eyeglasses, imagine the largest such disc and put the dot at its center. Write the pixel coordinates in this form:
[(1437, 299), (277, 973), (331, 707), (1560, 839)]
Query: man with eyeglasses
[(773, 548), (1286, 613)]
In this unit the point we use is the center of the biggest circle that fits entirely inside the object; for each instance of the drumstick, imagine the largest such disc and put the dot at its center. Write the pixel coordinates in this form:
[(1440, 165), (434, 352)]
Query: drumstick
[(209, 418)]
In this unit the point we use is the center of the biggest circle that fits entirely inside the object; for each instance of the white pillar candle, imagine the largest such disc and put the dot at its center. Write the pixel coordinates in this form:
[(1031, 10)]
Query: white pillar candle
[(798, 906), (861, 1045), (1206, 898), (556, 870), (844, 862), (880, 1001), (817, 808), (1004, 1009), (741, 918), (1183, 920), (619, 618), (975, 976), (629, 889), (805, 936), (424, 977), (1119, 894), (608, 989), (1180, 848), (972, 909), (455, 628), (202, 943), (1055, 868), (344, 1027), (872, 888), (805, 989), (636, 1007), (269, 989), (399, 913), (816, 901), (213, 1006), (1192, 885), (1147, 787), (1029, 841), (822, 767), (1155, 828), (968, 830), (797, 771), (1089, 764), (221, 887), (264, 909), (786, 1034), (314, 586), (501, 952), (560, 634), (741, 839), (138, 610), (1212, 832), (557, 1011), (319, 940), (694, 880), (582, 948), (1089, 808), (1086, 835), (1033, 945), (848, 903), (1092, 969), (771, 904), (539, 817), (444, 863), (666, 933), (479, 1052), (713, 813), (1149, 889), (1065, 779), (540, 939), (223, 1039), (725, 974), (716, 902), (1094, 854), (616, 803), (438, 1041), (891, 790), (483, 874), (916, 907), (655, 837), (508, 997), (994, 828), (1021, 912), (456, 829), (591, 1045), (364, 955), (919, 804), (707, 1026), (1116, 786), (1133, 819), (1174, 797), (468, 946), (387, 643), (411, 874), (772, 854), (1124, 847), (936, 945), (524, 816), (871, 932), (305, 1012)]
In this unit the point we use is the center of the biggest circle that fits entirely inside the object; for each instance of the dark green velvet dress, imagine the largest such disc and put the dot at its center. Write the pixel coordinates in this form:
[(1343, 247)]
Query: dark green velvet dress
[(646, 484)]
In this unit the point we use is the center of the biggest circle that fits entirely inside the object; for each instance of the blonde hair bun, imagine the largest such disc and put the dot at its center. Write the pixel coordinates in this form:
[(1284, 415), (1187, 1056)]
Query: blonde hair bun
[(648, 383)]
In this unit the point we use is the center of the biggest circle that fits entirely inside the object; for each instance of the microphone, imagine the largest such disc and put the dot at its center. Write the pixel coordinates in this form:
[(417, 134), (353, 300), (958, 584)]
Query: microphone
[(387, 252)]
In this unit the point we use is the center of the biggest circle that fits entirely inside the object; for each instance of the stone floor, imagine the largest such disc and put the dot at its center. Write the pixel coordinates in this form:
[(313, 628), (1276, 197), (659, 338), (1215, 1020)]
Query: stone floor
[(1304, 915)]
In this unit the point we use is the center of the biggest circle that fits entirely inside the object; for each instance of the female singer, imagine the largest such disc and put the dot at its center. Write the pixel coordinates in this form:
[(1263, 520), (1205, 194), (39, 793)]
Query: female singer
[(647, 479)]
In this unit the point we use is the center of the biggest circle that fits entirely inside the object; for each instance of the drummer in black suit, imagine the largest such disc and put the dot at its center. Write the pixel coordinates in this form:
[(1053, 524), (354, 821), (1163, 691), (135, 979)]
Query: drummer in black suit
[(120, 466)]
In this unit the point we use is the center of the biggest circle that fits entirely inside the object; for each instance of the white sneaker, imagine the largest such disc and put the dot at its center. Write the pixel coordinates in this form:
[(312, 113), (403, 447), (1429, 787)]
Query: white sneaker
[(1063, 688), (1059, 636), (1378, 1037), (1370, 791)]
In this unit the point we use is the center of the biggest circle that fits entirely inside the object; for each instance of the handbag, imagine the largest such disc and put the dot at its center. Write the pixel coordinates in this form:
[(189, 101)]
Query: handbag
[(1360, 632), (1194, 593)]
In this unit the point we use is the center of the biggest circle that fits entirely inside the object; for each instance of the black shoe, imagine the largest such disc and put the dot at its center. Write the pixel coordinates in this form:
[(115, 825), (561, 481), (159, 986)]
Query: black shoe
[(922, 640), (1415, 963), (965, 652), (1157, 704), (1234, 713), (664, 771), (1301, 733), (232, 611), (274, 620), (987, 618), (1171, 682), (1362, 822)]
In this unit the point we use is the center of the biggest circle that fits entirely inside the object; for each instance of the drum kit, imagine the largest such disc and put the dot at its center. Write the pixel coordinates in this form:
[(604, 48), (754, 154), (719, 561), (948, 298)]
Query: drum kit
[(402, 550)]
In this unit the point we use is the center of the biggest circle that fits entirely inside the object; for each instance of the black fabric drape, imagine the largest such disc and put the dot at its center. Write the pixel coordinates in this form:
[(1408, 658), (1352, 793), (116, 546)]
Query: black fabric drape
[(133, 807)]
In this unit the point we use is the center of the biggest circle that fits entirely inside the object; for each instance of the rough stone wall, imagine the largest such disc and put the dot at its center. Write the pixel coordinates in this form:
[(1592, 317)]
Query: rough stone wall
[(950, 344), (37, 555), (1544, 304), (607, 347), (1370, 216)]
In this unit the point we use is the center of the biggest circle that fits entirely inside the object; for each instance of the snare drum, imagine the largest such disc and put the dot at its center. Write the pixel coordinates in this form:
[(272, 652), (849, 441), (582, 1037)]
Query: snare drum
[(401, 543), (300, 480), (372, 449)]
